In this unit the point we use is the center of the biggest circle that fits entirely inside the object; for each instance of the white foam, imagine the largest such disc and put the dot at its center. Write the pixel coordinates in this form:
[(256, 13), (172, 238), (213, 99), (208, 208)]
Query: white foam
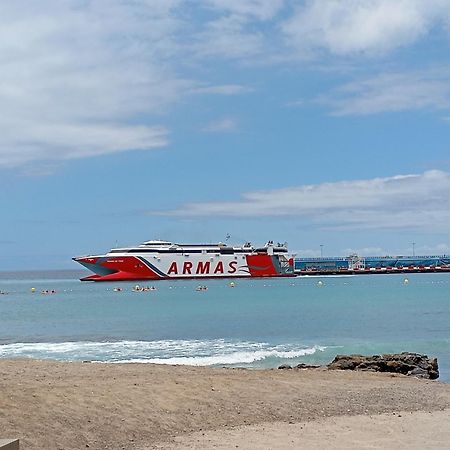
[(186, 352), (232, 358)]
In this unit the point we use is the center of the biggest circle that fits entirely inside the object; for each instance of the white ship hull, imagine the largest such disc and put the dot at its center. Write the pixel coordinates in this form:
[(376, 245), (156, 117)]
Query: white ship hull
[(173, 261)]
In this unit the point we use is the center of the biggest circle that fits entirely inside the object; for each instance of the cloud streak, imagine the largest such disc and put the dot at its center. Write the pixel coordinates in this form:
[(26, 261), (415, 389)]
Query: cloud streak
[(390, 92), (404, 201), (260, 9), (355, 27), (227, 124), (76, 79), (224, 89), (79, 79)]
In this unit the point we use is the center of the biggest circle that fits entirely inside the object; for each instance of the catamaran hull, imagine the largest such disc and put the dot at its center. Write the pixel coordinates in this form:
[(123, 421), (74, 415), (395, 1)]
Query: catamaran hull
[(185, 266)]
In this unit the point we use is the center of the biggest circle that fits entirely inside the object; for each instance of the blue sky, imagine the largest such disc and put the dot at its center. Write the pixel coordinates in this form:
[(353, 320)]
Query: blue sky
[(311, 122)]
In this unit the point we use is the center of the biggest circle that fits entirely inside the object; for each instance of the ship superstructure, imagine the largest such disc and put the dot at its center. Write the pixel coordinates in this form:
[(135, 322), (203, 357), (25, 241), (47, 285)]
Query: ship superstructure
[(159, 259)]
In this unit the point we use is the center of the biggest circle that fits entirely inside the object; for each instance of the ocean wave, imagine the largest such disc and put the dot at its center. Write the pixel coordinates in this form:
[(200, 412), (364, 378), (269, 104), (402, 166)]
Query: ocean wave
[(185, 352)]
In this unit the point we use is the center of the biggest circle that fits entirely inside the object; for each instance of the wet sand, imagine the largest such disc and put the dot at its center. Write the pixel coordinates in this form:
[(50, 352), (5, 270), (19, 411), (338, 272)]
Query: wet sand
[(52, 405)]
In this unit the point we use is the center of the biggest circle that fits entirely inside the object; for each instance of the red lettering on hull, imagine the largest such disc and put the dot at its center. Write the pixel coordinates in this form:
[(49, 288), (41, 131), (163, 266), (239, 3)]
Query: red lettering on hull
[(232, 266), (187, 266), (203, 268), (173, 269), (219, 267)]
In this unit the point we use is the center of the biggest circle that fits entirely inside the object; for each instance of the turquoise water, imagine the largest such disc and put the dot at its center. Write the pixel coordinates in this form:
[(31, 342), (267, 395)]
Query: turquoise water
[(258, 323)]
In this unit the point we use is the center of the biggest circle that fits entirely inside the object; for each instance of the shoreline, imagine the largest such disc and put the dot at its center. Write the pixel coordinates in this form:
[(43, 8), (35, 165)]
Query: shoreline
[(71, 405)]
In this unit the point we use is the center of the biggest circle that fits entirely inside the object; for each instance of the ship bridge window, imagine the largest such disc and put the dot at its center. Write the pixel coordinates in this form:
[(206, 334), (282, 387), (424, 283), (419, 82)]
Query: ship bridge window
[(226, 250)]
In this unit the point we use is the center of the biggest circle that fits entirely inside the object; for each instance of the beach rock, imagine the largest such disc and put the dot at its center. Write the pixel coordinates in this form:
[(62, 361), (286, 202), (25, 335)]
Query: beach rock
[(406, 363), (285, 366), (306, 366)]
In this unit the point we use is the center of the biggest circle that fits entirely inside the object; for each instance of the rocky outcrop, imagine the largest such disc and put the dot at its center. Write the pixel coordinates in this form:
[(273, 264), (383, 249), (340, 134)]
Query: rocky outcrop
[(300, 366), (307, 366), (285, 367), (413, 364)]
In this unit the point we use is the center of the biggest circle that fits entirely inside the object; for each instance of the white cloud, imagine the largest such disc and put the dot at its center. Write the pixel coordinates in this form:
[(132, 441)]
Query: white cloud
[(278, 30), (223, 125), (347, 27), (261, 9), (82, 78), (75, 77), (58, 142), (229, 37), (399, 202), (428, 89)]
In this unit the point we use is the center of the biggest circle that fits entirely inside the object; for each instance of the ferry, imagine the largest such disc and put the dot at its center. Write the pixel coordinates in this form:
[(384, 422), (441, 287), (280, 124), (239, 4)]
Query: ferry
[(159, 259)]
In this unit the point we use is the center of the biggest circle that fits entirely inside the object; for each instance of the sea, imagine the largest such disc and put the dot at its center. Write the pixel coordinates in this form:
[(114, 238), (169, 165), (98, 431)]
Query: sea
[(252, 323)]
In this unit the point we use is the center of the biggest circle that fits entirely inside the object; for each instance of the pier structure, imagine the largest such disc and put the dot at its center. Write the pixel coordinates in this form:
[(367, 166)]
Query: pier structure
[(354, 264)]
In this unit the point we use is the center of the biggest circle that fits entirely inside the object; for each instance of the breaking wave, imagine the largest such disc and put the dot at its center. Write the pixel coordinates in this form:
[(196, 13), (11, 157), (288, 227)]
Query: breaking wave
[(185, 352)]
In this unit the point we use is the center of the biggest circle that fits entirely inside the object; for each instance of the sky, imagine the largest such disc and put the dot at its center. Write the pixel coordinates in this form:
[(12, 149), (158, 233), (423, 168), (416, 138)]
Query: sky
[(325, 124)]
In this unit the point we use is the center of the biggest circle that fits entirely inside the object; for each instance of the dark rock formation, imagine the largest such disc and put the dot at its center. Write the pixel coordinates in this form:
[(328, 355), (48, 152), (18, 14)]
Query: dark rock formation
[(299, 366), (285, 366), (307, 366), (405, 363)]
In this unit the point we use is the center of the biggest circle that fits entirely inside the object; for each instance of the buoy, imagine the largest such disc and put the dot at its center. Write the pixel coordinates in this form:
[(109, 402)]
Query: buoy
[(406, 281), (320, 283), (231, 284), (33, 289)]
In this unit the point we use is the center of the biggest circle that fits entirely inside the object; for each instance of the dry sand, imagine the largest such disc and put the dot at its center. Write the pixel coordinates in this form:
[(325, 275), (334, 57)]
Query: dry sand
[(406, 430), (51, 405)]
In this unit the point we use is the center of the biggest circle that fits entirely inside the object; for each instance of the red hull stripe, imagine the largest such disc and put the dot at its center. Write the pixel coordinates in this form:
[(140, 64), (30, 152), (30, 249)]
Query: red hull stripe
[(261, 265), (124, 268), (152, 267)]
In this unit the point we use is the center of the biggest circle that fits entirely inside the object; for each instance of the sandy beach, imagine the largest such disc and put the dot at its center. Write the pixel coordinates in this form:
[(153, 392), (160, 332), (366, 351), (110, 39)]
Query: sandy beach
[(53, 405)]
